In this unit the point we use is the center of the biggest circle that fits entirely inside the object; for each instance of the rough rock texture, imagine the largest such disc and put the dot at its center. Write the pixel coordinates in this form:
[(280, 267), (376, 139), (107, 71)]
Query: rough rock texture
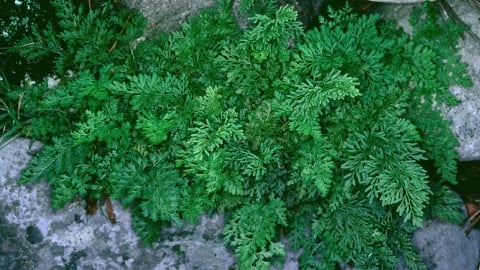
[(466, 116), (444, 246), (167, 15)]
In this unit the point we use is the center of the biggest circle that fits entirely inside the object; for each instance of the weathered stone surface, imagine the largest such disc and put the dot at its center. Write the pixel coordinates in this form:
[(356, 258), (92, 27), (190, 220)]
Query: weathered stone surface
[(167, 15), (443, 246), (15, 253), (466, 116)]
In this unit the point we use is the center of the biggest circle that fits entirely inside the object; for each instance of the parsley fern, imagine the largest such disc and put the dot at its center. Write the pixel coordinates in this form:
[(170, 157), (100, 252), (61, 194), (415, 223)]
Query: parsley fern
[(314, 136)]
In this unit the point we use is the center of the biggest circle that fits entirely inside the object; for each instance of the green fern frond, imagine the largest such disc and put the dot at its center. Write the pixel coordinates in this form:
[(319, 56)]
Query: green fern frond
[(251, 231)]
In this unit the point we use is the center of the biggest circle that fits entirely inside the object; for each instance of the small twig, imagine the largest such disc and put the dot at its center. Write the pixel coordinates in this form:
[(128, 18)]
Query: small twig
[(470, 227), (123, 29), (116, 40), (133, 3), (19, 105), (473, 217), (110, 211), (113, 46), (5, 142), (20, 46), (5, 108), (110, 215)]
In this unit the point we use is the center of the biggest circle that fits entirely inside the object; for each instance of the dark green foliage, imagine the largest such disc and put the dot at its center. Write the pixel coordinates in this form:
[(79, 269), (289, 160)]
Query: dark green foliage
[(251, 231), (384, 161), (86, 39), (317, 137), (64, 165), (10, 118)]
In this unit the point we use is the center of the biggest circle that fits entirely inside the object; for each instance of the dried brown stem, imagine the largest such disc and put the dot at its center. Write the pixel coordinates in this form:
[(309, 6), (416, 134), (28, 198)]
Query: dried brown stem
[(472, 224)]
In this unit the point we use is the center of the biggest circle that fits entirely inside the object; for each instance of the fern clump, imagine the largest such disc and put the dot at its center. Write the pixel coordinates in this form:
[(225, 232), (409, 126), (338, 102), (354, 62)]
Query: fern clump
[(315, 138)]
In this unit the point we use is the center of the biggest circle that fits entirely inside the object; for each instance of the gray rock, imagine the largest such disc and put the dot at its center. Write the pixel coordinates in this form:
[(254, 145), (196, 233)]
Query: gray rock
[(443, 246), (15, 252), (466, 116), (167, 15)]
